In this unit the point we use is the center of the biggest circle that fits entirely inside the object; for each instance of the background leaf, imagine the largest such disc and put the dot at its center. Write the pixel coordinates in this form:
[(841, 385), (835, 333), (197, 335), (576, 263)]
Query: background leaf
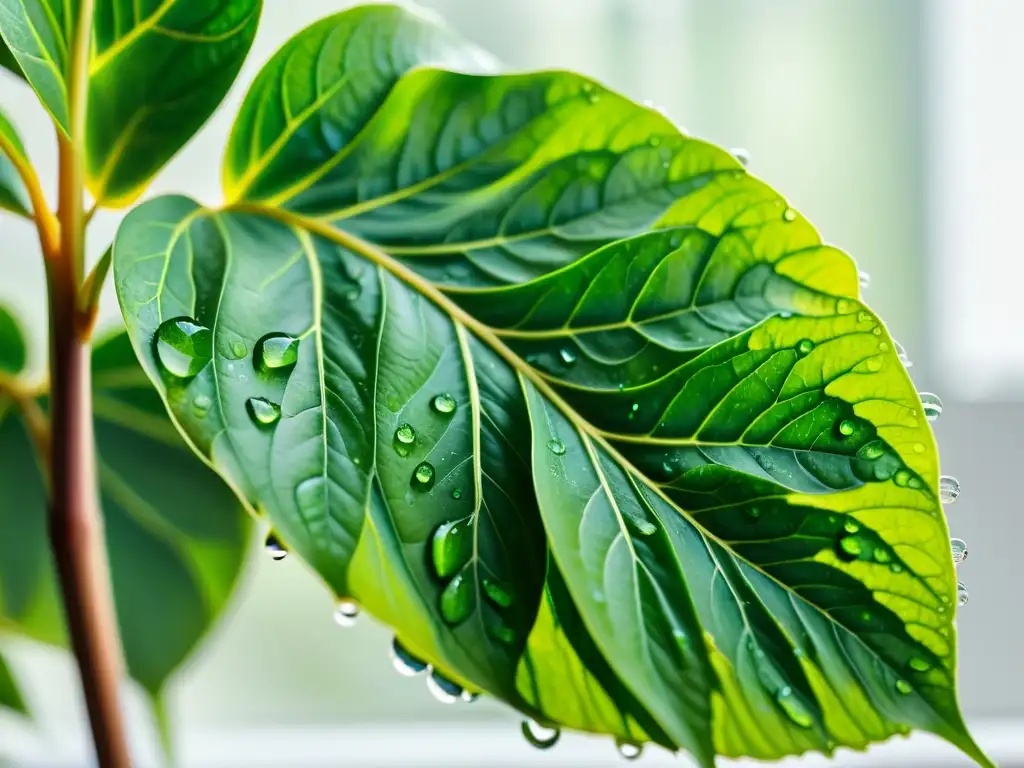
[(158, 71), (671, 486), (13, 196), (175, 535), (10, 695), (8, 62)]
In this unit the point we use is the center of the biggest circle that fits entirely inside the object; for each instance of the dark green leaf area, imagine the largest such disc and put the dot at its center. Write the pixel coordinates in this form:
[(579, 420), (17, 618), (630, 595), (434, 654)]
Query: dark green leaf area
[(13, 196), (13, 351), (176, 536), (11, 698)]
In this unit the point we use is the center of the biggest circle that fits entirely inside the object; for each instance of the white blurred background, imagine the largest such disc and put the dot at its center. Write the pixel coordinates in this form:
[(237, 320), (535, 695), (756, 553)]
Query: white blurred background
[(893, 124)]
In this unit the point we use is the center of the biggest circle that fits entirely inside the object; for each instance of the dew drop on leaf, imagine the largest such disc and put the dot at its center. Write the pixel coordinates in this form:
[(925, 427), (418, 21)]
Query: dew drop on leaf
[(919, 665), (457, 600), (949, 489), (901, 353), (962, 595), (274, 549), (496, 593), (201, 406), (404, 661), (443, 689), (851, 526), (741, 155), (863, 279), (567, 355), (932, 405), (556, 446), (903, 687), (789, 214), (846, 427), (805, 346), (262, 411), (902, 478), (346, 613), (959, 548), (276, 351), (443, 403), (849, 547), (183, 346), (423, 476), (405, 434), (502, 633), (468, 697), (310, 497), (457, 494), (794, 708), (629, 750), (238, 350), (871, 451), (451, 546), (540, 736)]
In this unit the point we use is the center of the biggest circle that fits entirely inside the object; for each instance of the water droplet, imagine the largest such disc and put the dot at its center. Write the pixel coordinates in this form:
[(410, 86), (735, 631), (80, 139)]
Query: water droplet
[(502, 633), (871, 451), (404, 662), (851, 526), (201, 406), (311, 497), (457, 600), (497, 593), (876, 331), (540, 736), (919, 448), (469, 697), (593, 97), (874, 364), (263, 411), (805, 346), (901, 353), (882, 556), (794, 708), (238, 350), (959, 548), (346, 613), (962, 595), (903, 687), (629, 750), (843, 307), (443, 689), (451, 546), (919, 665), (423, 476), (276, 350), (183, 346), (949, 489), (846, 427), (932, 405), (754, 512), (741, 155), (896, 568), (863, 317), (863, 279), (405, 434), (901, 478), (556, 446), (789, 215), (567, 355), (883, 347), (457, 494), (849, 547), (274, 549), (443, 403)]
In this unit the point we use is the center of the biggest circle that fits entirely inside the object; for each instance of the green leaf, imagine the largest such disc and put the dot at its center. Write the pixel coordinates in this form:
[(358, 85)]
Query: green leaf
[(13, 196), (157, 71), (175, 535), (585, 412), (8, 62), (37, 32), (13, 353), (10, 694)]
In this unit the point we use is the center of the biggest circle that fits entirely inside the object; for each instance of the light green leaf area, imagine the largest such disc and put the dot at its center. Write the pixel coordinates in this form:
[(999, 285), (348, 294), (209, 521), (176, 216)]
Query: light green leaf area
[(176, 537), (585, 412), (13, 196), (10, 694), (159, 69), (37, 33)]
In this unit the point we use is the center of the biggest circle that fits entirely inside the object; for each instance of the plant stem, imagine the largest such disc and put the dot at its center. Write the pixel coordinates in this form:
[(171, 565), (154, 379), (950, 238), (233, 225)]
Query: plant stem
[(76, 522)]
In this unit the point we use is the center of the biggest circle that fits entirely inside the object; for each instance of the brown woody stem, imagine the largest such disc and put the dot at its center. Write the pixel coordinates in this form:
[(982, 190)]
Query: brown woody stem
[(76, 522)]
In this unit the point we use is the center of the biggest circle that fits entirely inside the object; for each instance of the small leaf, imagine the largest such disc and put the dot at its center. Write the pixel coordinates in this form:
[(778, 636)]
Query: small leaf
[(175, 536), (157, 72), (672, 412), (10, 694), (13, 353), (13, 196), (8, 62)]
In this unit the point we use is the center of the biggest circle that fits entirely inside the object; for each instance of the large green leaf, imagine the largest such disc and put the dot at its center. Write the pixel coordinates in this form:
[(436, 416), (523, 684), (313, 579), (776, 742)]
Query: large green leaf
[(175, 535), (157, 71), (13, 196), (585, 412)]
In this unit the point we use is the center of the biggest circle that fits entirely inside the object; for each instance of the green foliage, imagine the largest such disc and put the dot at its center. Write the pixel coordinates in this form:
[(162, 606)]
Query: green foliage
[(157, 70), (175, 537), (584, 411), (12, 192), (10, 695)]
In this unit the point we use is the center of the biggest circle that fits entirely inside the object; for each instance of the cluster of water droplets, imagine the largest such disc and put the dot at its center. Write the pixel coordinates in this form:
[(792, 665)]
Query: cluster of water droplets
[(441, 688)]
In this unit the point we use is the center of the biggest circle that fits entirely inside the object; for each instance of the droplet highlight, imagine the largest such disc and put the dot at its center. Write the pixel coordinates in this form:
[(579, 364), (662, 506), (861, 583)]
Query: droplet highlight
[(444, 403), (962, 595), (274, 549), (405, 663), (496, 593), (863, 279), (959, 549), (451, 546), (805, 346), (201, 406), (846, 427), (183, 347), (742, 156), (262, 411), (444, 690), (567, 355), (556, 446), (423, 476), (276, 351), (850, 547), (457, 600), (789, 215), (346, 613), (903, 687), (540, 736), (949, 489), (628, 750), (932, 405)]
